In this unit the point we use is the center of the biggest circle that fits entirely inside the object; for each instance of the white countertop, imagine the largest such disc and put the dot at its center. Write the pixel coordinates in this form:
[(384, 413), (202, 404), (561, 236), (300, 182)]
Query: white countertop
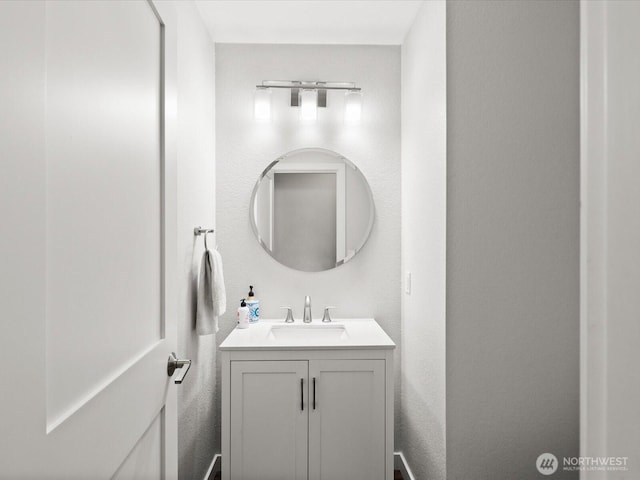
[(341, 333)]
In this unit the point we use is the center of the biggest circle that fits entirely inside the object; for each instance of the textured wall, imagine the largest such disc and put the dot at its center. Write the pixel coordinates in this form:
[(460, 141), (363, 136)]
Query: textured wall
[(424, 181), (512, 237), (369, 285), (196, 206)]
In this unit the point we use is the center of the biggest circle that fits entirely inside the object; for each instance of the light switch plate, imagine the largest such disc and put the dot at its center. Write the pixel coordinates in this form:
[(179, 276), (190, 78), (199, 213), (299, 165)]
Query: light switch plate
[(407, 283)]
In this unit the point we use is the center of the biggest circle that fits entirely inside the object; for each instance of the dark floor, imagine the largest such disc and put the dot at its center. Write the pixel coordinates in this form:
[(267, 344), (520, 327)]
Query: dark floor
[(397, 476)]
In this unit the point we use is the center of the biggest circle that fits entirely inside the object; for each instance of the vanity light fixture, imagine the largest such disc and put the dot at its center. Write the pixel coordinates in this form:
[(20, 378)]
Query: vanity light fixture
[(308, 96), (262, 104), (352, 107), (308, 104)]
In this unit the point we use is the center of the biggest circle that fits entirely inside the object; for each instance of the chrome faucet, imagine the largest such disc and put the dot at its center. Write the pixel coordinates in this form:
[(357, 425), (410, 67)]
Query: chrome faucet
[(306, 317)]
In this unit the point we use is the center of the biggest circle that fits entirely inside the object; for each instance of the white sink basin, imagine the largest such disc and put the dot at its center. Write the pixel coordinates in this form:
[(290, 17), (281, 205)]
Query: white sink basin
[(345, 333), (298, 334)]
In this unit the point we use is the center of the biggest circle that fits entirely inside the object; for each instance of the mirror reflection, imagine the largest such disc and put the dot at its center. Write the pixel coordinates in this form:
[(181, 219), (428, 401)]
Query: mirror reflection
[(312, 209)]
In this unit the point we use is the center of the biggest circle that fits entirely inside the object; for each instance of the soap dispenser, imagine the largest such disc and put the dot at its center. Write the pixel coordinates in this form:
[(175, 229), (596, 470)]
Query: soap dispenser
[(243, 315), (254, 306)]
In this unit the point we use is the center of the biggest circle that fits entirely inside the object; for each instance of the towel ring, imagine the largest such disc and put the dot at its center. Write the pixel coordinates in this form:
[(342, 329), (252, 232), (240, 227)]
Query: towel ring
[(200, 231)]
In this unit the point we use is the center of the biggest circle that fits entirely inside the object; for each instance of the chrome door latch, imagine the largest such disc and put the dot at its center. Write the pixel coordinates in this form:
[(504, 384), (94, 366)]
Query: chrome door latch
[(175, 363)]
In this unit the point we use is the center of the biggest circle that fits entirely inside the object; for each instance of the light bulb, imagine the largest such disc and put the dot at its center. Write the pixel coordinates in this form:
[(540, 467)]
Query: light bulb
[(352, 107), (262, 104), (308, 104)]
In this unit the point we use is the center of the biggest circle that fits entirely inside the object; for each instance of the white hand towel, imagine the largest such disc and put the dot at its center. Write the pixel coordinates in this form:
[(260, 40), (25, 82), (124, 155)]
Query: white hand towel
[(212, 297)]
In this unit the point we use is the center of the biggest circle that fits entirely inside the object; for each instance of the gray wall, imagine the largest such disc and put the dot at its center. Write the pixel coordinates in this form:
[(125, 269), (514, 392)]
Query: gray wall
[(424, 215), (512, 237), (369, 285), (196, 206)]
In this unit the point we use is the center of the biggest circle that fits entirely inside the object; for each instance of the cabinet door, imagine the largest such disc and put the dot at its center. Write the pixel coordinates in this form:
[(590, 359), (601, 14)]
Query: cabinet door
[(269, 420), (347, 420)]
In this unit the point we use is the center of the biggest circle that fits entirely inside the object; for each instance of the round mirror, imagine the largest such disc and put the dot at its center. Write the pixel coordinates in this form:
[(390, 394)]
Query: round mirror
[(312, 209)]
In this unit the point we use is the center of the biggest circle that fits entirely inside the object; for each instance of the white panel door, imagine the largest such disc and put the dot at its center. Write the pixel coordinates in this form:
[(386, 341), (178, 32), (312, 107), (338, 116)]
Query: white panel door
[(347, 420), (610, 235), (87, 202), (269, 418)]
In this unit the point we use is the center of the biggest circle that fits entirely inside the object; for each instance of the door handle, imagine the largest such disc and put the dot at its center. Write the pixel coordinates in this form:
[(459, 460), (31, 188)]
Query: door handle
[(174, 363), (302, 394)]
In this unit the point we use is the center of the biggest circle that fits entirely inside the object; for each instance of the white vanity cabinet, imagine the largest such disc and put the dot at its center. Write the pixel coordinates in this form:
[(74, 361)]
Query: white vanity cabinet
[(347, 419), (269, 420), (307, 413)]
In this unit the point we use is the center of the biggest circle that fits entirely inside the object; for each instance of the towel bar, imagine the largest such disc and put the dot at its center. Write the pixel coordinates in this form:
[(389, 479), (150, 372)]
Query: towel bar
[(197, 231)]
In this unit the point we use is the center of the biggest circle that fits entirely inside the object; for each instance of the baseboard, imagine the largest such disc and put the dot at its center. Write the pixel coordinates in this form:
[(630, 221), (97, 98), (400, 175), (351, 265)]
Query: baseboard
[(214, 467), (400, 463)]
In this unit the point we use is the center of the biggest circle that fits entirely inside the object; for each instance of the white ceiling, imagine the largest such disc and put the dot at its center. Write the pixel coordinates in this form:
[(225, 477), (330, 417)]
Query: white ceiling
[(377, 22)]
